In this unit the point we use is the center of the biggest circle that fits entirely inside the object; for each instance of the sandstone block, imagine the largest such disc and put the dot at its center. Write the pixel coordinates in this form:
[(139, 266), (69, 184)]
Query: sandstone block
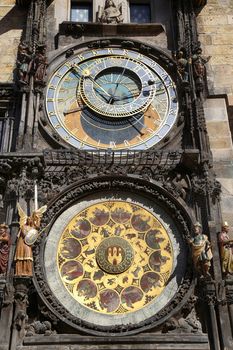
[(215, 110), (222, 39), (213, 20), (222, 154)]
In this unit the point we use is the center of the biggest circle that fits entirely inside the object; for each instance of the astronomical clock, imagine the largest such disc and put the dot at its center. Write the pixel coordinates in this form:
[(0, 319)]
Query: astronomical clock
[(112, 256), (109, 141), (111, 99), (112, 262)]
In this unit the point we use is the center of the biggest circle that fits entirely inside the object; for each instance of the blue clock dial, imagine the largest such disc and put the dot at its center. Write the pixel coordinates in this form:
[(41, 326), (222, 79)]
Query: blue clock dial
[(111, 99), (118, 87)]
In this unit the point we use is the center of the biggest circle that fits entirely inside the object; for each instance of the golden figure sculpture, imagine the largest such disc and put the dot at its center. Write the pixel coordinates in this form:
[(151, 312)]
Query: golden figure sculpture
[(28, 233), (201, 251), (226, 249)]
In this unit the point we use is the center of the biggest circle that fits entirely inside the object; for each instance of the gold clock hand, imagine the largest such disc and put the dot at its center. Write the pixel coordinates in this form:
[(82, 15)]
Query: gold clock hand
[(134, 126), (118, 82), (86, 74), (95, 82), (77, 69), (78, 109), (116, 98)]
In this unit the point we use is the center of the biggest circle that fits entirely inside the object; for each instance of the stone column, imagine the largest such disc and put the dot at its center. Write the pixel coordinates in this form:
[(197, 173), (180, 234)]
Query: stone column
[(20, 317), (6, 315)]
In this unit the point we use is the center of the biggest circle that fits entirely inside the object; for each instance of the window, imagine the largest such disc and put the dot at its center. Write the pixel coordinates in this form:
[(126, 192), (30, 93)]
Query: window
[(140, 13), (81, 11)]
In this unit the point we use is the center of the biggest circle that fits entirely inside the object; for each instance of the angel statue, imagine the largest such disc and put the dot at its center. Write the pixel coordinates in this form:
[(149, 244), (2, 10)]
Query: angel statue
[(27, 236)]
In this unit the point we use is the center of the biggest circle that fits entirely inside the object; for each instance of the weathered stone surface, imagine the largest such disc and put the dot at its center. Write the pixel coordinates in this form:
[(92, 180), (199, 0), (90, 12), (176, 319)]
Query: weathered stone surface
[(215, 110), (215, 24), (139, 342), (12, 21)]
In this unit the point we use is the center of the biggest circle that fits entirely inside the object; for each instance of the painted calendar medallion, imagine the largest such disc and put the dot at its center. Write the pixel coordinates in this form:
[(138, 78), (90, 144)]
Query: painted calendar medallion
[(122, 270)]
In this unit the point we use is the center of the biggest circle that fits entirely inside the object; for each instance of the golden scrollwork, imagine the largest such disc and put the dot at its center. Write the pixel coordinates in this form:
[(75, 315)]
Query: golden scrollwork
[(115, 257)]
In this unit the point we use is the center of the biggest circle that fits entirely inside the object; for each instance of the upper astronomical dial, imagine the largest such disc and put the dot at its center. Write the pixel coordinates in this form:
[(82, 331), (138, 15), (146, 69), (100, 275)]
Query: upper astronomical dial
[(117, 87), (113, 99)]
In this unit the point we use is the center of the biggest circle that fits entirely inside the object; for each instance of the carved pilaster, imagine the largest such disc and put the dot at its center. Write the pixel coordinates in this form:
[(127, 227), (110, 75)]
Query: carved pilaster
[(6, 315), (20, 313), (31, 69), (208, 295), (2, 288)]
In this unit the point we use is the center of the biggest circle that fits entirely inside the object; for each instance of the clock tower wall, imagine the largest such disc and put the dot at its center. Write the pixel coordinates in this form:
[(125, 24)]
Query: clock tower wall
[(112, 114), (215, 32), (63, 30)]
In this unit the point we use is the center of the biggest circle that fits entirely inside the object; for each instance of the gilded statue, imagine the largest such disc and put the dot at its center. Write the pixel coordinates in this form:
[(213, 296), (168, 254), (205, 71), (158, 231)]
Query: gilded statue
[(27, 236), (226, 249), (201, 251), (5, 242), (111, 13)]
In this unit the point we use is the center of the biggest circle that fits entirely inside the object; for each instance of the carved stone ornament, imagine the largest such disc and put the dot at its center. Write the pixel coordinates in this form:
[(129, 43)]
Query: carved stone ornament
[(20, 175), (188, 324), (5, 243), (21, 303), (75, 30), (108, 186), (8, 295), (199, 68), (178, 185), (38, 327), (39, 65), (182, 65), (74, 166), (24, 63), (110, 13)]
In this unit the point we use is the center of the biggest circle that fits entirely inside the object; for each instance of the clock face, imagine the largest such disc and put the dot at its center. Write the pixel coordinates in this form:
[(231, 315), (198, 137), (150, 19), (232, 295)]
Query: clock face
[(113, 99), (118, 87), (114, 257), (114, 260)]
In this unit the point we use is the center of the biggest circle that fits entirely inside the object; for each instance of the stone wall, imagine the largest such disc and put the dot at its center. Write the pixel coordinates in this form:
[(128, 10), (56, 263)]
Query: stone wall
[(215, 27), (12, 20)]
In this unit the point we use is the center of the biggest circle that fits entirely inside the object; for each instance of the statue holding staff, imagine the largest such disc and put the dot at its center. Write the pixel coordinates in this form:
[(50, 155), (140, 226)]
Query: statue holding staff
[(27, 236)]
